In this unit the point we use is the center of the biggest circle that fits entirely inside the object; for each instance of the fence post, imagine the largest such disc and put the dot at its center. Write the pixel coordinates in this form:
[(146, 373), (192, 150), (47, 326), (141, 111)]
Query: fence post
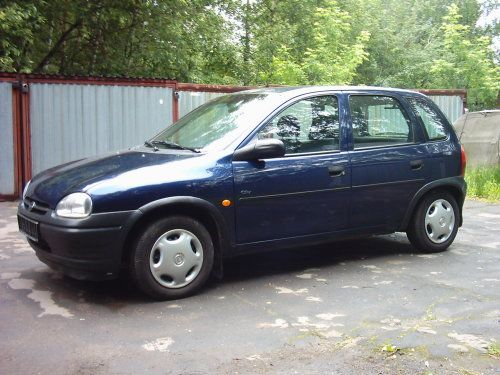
[(175, 102), (22, 132)]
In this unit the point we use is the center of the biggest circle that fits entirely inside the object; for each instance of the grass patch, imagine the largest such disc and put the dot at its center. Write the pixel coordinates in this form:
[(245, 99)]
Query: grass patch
[(483, 182), (389, 348), (494, 350)]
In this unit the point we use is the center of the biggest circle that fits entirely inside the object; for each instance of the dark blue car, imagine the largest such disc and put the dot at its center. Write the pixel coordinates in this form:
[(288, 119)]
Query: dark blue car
[(255, 170)]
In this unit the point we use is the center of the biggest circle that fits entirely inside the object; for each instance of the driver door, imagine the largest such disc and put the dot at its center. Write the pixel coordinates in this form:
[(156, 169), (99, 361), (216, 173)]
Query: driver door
[(305, 192)]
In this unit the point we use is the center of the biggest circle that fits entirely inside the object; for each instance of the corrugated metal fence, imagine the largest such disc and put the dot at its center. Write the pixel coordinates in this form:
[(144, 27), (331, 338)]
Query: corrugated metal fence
[(452, 106), (190, 96), (189, 100), (7, 175), (49, 120), (76, 121)]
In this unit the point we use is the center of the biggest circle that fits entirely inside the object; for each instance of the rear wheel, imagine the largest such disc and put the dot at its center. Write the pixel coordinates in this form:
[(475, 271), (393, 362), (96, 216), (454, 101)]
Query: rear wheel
[(435, 222), (173, 258)]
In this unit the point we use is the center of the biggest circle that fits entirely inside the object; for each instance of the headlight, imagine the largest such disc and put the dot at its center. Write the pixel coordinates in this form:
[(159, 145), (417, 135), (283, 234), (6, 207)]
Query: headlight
[(75, 206), (26, 189)]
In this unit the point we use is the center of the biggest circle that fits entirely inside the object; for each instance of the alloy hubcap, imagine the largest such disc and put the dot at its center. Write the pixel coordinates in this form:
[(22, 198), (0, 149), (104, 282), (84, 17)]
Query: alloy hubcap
[(176, 258), (439, 221)]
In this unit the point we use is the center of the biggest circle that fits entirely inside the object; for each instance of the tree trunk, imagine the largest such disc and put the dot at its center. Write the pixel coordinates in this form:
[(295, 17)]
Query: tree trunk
[(41, 66), (246, 44)]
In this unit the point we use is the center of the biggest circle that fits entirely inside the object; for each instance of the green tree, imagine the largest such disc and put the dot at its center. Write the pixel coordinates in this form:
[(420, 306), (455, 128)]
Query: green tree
[(318, 47), (187, 40), (466, 61), (334, 56), (18, 28), (405, 38), (402, 43), (274, 26)]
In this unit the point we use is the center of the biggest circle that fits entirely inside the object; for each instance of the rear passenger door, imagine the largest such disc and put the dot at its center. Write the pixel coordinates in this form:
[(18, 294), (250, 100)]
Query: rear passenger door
[(387, 160)]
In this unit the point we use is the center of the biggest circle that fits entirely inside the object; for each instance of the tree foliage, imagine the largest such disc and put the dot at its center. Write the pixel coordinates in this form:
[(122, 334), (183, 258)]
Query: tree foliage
[(18, 27), (330, 57), (465, 61), (402, 43)]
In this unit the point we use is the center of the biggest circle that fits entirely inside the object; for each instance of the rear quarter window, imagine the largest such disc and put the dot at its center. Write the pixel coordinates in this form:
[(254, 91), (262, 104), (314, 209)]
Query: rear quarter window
[(434, 124)]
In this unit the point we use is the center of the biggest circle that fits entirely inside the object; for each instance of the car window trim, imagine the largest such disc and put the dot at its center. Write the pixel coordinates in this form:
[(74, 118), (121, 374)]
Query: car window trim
[(288, 104), (302, 154), (313, 153), (390, 95), (432, 141), (409, 144), (268, 121), (385, 146), (421, 122)]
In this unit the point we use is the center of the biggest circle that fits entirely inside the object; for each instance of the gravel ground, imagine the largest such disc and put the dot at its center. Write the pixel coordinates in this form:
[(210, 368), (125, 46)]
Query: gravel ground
[(369, 306)]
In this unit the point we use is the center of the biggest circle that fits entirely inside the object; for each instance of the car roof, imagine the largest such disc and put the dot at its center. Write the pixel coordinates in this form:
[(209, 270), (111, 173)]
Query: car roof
[(292, 91)]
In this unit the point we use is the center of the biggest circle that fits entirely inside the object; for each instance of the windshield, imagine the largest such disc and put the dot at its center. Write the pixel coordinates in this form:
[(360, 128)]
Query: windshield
[(216, 124)]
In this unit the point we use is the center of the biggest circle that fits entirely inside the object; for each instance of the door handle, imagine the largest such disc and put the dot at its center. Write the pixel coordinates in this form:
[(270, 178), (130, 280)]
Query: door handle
[(336, 171), (416, 164)]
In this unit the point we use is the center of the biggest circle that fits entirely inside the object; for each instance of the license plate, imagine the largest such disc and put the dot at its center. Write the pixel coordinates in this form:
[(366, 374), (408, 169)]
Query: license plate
[(28, 227)]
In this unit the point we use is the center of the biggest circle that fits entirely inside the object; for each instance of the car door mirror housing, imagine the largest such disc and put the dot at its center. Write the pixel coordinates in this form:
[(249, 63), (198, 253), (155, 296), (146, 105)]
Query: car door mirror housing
[(261, 149)]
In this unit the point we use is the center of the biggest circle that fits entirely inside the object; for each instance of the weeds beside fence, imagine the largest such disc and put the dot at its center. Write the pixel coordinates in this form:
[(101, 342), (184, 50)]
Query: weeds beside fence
[(483, 182)]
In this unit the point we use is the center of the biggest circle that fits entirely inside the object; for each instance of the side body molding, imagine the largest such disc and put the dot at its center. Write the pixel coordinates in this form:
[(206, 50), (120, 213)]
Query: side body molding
[(457, 184)]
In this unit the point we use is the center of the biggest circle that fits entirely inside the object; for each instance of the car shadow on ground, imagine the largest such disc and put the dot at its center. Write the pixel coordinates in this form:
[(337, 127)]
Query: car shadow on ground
[(319, 256), (119, 293)]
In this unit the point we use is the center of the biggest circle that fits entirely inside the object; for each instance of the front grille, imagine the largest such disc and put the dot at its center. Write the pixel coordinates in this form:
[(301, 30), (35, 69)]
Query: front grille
[(28, 227), (34, 206)]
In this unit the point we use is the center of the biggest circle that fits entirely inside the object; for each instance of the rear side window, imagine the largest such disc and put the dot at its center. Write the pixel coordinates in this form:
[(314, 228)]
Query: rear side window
[(433, 123), (379, 121)]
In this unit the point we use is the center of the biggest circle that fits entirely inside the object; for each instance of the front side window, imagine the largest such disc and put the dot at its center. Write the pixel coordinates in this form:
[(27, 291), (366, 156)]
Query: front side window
[(310, 125), (433, 123), (379, 121)]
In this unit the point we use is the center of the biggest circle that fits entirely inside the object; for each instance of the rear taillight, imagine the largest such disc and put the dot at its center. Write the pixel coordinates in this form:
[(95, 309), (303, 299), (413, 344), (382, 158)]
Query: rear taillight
[(463, 161)]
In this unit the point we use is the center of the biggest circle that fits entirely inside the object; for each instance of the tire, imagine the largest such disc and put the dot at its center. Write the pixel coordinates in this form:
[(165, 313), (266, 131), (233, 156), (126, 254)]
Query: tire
[(172, 258), (435, 222)]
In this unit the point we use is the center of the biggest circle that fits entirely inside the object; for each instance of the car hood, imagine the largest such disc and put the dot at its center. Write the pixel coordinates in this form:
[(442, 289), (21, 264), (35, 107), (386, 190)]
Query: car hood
[(52, 185)]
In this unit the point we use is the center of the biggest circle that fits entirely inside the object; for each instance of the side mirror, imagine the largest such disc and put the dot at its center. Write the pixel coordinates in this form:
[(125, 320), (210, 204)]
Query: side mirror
[(261, 149)]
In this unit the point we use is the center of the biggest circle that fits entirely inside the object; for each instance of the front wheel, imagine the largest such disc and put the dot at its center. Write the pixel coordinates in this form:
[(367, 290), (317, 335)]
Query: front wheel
[(435, 222), (173, 258)]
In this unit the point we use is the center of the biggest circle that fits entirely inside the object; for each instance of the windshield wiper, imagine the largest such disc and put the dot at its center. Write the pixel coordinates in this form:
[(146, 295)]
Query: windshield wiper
[(174, 145), (149, 144)]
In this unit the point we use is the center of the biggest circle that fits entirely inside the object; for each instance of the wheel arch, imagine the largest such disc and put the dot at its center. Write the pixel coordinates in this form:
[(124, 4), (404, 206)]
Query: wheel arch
[(196, 208), (456, 186)]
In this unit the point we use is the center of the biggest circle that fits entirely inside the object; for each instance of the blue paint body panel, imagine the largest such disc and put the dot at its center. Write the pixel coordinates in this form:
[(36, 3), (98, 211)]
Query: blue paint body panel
[(290, 199)]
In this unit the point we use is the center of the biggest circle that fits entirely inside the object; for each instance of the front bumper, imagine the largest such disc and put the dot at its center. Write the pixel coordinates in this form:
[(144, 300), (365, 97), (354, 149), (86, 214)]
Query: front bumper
[(89, 248)]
